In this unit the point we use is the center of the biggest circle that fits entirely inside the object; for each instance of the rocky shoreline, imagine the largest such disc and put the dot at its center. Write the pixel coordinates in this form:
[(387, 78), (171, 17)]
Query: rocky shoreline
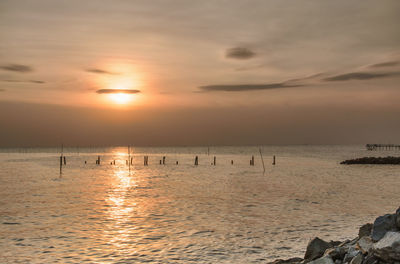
[(373, 160), (377, 243)]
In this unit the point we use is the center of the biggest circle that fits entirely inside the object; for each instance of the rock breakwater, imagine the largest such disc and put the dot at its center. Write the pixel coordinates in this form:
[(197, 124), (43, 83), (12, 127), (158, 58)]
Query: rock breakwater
[(377, 243), (373, 160)]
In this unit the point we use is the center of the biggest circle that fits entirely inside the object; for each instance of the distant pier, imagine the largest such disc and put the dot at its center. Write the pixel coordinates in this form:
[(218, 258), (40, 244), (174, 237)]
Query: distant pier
[(382, 147)]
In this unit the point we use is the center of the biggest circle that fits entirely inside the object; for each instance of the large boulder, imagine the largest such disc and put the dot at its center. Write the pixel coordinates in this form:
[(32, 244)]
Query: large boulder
[(365, 230), (388, 248), (316, 248), (382, 225)]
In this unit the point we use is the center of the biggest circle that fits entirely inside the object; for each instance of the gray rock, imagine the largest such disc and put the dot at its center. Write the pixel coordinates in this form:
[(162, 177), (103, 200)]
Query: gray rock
[(382, 225), (365, 230), (316, 249), (323, 260), (370, 259), (351, 253), (336, 253), (357, 259), (365, 244), (388, 248)]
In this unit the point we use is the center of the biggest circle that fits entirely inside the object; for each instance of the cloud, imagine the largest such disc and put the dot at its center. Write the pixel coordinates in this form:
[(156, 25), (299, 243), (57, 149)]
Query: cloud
[(98, 71), (360, 76), (114, 91), (385, 64), (22, 81), (239, 53), (17, 68), (246, 87)]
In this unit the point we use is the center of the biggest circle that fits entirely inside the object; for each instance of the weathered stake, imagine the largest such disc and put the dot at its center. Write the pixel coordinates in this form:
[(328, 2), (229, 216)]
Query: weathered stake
[(196, 161), (262, 159)]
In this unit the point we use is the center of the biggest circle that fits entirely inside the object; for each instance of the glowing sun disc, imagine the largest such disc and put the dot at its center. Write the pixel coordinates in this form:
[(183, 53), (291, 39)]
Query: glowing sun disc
[(120, 98)]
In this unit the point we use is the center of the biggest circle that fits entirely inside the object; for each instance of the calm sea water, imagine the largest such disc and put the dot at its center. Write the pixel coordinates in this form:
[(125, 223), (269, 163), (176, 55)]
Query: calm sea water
[(185, 213)]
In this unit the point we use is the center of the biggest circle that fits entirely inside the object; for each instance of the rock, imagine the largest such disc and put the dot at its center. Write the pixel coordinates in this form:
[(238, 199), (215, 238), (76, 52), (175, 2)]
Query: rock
[(382, 225), (388, 248), (351, 253), (365, 230), (336, 253), (323, 260), (287, 261), (316, 248), (370, 259), (365, 244), (357, 259), (398, 218)]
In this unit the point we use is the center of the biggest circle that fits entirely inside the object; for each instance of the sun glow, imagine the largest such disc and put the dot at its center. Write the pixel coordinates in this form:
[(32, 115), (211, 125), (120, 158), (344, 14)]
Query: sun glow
[(121, 98)]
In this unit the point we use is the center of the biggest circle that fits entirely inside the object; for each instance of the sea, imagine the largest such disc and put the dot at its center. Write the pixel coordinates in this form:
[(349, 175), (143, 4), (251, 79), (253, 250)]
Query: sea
[(179, 212)]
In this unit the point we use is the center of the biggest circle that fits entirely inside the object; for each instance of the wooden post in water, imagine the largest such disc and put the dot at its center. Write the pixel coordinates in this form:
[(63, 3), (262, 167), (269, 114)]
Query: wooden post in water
[(163, 160), (252, 161), (196, 160), (98, 160), (61, 158), (129, 158), (177, 162), (273, 160), (262, 159), (146, 160), (215, 161), (61, 163), (65, 161), (231, 162)]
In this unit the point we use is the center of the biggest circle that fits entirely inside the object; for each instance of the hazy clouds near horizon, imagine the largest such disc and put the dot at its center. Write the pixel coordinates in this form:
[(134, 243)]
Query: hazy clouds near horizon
[(50, 125), (208, 72)]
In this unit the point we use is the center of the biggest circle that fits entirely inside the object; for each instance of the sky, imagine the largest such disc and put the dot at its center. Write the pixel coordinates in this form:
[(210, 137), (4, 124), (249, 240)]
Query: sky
[(215, 72)]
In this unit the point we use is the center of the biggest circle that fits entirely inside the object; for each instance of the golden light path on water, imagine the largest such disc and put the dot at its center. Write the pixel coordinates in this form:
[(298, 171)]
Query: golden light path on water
[(120, 207)]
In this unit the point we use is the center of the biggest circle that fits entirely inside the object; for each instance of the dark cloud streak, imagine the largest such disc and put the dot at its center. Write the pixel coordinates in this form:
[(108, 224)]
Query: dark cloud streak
[(22, 81), (240, 53), (17, 68), (114, 91), (360, 76), (385, 64), (246, 87), (99, 71)]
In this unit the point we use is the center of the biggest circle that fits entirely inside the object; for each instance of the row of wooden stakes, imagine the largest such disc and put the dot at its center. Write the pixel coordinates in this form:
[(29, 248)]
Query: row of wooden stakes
[(63, 161)]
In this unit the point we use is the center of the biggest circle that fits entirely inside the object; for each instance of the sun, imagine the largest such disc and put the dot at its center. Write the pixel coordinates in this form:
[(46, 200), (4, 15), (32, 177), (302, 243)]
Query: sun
[(121, 98)]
